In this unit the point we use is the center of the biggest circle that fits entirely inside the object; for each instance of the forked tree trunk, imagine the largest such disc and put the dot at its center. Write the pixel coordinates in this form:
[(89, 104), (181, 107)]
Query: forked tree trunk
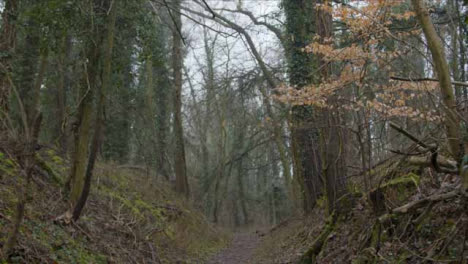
[(82, 129), (83, 159), (99, 123)]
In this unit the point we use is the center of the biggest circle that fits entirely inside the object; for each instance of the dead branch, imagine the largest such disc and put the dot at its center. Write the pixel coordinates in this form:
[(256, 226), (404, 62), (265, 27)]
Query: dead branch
[(397, 78), (435, 160), (418, 204), (411, 136), (445, 165)]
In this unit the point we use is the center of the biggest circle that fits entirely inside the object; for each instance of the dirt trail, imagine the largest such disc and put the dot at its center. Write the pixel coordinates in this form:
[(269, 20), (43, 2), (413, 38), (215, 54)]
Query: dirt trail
[(239, 252)]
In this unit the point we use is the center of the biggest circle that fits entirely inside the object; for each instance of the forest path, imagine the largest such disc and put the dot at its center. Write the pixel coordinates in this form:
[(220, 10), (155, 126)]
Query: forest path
[(239, 251)]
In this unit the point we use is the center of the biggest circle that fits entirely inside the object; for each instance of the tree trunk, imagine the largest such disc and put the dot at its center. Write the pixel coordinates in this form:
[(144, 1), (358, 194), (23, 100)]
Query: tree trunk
[(24, 192), (272, 188), (33, 108), (81, 169), (452, 121), (149, 116), (332, 135), (454, 48), (99, 123), (63, 85), (240, 172), (280, 145), (300, 26), (82, 129), (7, 44), (443, 74), (181, 185)]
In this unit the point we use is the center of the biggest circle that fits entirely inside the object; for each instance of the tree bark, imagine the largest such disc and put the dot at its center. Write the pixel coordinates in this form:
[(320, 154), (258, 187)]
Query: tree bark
[(28, 162), (181, 185), (443, 74), (99, 122), (7, 44), (305, 136), (332, 135), (63, 85), (81, 169)]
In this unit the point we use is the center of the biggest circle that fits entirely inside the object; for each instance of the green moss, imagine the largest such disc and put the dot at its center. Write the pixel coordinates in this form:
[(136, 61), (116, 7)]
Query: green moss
[(322, 201), (57, 160), (403, 180), (109, 192), (8, 166)]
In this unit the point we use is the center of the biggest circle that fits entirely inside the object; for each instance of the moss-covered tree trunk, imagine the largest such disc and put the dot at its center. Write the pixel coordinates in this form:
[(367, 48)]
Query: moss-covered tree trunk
[(83, 159), (305, 135), (82, 129), (30, 135), (443, 74), (99, 121), (452, 120)]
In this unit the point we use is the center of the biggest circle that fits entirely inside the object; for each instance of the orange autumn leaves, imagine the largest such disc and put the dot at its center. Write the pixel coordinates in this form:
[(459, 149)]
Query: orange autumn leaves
[(362, 68)]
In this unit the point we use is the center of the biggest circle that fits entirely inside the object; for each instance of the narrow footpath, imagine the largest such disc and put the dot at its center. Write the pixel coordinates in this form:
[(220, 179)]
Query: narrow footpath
[(240, 251)]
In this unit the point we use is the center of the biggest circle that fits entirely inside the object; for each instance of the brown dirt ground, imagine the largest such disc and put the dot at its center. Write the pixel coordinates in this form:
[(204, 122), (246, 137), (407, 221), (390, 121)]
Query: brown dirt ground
[(240, 251)]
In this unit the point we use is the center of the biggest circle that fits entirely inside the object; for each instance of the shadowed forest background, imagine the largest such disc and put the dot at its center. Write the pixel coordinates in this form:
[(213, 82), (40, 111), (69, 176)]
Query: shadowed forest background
[(206, 131)]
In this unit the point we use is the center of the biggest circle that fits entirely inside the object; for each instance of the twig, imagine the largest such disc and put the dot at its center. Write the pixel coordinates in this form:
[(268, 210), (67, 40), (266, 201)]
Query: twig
[(175, 22), (81, 229), (410, 136), (209, 9), (418, 204), (450, 236)]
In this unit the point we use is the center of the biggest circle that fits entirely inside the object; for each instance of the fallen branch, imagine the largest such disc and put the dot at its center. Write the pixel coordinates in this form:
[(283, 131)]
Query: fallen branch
[(434, 159), (411, 136), (82, 231), (418, 204), (444, 164)]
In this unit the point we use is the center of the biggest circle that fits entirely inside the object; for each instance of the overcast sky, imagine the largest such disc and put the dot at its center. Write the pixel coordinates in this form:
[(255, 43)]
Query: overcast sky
[(240, 56)]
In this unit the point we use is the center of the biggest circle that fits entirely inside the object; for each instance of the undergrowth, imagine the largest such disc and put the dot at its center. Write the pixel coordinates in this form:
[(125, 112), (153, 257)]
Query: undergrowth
[(434, 233), (129, 218)]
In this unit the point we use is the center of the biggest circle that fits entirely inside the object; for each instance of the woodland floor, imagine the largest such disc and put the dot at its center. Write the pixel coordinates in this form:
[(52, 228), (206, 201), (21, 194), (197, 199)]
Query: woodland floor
[(240, 251)]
